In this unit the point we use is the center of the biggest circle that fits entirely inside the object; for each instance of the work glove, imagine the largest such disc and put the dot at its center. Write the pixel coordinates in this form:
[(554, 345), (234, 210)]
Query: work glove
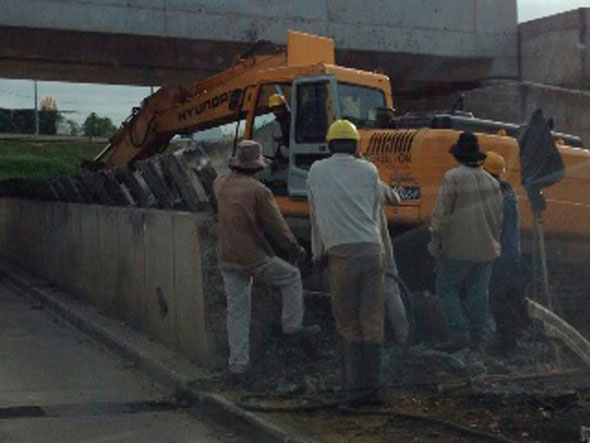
[(434, 247), (320, 262)]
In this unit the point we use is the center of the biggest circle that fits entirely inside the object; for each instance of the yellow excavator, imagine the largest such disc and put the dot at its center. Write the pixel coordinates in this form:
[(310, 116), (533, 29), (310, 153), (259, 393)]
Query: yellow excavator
[(410, 151)]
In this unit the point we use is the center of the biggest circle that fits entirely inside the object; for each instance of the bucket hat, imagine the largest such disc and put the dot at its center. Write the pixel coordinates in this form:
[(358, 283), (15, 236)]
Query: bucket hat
[(248, 155)]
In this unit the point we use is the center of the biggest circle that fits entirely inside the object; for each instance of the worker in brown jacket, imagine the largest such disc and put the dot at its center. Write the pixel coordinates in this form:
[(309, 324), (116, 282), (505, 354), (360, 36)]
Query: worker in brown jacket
[(465, 230), (247, 214)]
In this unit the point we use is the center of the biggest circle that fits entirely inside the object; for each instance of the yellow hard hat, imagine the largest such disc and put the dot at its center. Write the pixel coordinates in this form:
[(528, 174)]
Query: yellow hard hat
[(276, 100), (342, 130), (494, 163)]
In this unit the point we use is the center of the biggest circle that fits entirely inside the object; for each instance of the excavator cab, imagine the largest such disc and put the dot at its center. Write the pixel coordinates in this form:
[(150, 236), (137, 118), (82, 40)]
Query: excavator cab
[(313, 110), (309, 111), (313, 103)]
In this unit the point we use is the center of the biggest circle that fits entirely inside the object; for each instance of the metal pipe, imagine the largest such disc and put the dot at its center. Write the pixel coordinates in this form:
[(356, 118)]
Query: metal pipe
[(543, 256), (36, 110)]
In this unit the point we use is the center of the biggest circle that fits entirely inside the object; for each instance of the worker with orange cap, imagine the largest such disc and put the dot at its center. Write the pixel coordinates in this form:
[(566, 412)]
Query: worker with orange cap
[(504, 299)]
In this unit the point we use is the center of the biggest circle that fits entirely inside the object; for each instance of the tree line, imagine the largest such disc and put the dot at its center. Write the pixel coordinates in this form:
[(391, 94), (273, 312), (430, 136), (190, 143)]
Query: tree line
[(52, 121)]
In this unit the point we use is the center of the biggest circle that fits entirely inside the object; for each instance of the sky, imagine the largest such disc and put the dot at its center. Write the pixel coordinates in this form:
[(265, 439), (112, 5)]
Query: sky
[(532, 9), (78, 100)]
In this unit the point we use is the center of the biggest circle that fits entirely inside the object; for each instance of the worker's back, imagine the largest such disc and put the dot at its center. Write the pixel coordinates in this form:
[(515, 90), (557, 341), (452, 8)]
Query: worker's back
[(240, 240), (471, 200), (346, 197)]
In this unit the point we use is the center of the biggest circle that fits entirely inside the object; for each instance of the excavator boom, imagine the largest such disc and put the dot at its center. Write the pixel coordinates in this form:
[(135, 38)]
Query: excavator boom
[(222, 98)]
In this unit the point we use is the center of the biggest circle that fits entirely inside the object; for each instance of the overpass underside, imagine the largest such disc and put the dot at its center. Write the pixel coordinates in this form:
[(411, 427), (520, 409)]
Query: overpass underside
[(95, 57)]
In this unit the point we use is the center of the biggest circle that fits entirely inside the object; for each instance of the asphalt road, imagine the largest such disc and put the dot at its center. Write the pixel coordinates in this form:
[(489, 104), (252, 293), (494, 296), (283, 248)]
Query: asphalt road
[(57, 385)]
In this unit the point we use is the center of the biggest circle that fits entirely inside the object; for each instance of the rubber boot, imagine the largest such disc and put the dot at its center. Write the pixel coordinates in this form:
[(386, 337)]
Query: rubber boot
[(353, 369), (458, 340), (372, 353), (342, 363), (476, 341)]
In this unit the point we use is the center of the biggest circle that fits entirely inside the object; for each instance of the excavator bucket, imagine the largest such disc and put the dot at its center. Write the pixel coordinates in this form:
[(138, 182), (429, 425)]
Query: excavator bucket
[(307, 49)]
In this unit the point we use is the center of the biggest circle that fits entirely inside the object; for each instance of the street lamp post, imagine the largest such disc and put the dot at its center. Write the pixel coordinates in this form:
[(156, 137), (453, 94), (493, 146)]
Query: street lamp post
[(36, 110)]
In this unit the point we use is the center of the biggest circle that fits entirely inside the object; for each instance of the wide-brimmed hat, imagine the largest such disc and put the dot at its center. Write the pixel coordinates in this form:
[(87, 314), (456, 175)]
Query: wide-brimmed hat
[(466, 150), (248, 155)]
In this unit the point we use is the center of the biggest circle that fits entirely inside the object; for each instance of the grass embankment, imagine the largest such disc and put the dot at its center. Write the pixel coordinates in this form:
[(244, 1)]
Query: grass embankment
[(30, 158)]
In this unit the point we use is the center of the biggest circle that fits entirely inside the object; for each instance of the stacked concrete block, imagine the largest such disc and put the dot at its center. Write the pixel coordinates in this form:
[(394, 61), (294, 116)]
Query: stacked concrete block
[(180, 181)]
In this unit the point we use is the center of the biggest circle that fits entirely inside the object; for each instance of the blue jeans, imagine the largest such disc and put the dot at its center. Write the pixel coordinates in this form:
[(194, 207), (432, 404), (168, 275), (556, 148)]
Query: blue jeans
[(452, 276)]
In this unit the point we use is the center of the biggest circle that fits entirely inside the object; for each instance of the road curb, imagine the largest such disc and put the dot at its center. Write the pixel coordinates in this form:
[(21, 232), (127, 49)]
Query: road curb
[(105, 330)]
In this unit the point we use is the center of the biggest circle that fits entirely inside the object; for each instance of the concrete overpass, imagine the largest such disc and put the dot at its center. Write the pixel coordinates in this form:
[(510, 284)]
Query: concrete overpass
[(555, 50), (420, 44)]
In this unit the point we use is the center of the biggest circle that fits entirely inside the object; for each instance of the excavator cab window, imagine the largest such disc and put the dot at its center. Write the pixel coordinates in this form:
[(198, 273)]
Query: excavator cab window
[(313, 107), (311, 124), (360, 104)]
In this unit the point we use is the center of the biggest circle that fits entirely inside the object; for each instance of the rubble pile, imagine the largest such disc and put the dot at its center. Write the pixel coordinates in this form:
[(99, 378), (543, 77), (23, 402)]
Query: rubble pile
[(541, 392)]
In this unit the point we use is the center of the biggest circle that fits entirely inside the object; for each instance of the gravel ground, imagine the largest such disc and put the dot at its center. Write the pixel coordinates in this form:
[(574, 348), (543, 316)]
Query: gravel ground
[(540, 393)]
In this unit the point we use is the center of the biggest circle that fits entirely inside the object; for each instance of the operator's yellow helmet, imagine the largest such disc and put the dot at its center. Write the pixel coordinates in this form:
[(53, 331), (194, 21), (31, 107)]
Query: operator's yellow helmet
[(342, 130), (276, 100), (494, 163)]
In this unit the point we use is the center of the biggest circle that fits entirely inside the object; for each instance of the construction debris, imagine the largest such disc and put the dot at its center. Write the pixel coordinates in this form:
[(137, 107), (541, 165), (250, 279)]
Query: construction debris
[(556, 327)]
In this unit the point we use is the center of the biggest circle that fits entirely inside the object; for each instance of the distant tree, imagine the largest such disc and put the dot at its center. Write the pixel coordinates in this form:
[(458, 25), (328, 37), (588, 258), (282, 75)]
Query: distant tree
[(96, 126), (73, 127), (48, 103), (49, 116)]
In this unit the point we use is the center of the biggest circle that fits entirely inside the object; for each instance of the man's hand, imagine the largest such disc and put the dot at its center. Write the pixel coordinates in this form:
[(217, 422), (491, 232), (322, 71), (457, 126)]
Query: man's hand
[(320, 262), (434, 248), (298, 254)]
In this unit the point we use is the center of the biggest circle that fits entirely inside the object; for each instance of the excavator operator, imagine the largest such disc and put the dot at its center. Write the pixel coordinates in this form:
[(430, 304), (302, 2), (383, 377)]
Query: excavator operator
[(278, 106)]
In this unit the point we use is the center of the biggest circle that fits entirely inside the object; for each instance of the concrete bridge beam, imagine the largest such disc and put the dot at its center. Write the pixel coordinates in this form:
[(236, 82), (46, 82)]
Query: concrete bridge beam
[(154, 42)]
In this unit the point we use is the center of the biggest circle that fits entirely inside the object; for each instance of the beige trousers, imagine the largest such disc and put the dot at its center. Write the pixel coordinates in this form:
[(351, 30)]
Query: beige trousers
[(356, 284)]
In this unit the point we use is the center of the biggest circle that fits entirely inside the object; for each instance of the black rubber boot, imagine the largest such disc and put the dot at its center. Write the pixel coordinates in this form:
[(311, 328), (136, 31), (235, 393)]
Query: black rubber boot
[(352, 368), (372, 353), (456, 342)]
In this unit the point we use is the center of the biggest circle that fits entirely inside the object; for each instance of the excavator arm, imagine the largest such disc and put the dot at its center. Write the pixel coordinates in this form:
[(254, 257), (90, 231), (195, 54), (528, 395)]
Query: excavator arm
[(211, 102), (222, 98)]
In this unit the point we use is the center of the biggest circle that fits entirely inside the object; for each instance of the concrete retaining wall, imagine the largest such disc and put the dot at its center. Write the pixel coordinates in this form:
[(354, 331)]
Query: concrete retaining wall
[(143, 266)]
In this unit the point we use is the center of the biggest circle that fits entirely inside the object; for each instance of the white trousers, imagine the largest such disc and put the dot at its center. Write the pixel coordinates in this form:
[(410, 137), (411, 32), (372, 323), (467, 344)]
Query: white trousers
[(395, 311), (238, 288)]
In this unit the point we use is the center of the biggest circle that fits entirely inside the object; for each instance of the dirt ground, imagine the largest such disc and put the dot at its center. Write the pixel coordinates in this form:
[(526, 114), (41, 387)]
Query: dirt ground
[(541, 397), (541, 393)]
